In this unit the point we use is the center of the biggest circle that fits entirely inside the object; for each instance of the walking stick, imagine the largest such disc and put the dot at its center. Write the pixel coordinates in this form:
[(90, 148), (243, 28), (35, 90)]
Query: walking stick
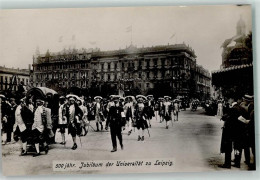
[(80, 141), (91, 127), (171, 120), (78, 136), (148, 132)]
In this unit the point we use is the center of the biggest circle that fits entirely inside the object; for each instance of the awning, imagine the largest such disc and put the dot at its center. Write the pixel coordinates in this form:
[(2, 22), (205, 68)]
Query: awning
[(241, 75), (233, 68)]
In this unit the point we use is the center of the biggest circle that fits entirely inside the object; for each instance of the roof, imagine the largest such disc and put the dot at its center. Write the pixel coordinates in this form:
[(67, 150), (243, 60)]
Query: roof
[(233, 68), (96, 53)]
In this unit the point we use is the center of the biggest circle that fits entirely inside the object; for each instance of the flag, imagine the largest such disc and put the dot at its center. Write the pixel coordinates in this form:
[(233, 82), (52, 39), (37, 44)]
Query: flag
[(60, 38), (129, 29), (172, 36)]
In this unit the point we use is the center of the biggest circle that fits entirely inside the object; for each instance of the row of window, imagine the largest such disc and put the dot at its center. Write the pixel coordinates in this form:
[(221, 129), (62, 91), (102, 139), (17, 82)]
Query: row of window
[(8, 79), (146, 63), (112, 76), (69, 75), (62, 66), (109, 65)]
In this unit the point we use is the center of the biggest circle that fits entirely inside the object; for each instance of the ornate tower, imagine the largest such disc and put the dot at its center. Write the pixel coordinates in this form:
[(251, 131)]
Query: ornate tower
[(241, 27)]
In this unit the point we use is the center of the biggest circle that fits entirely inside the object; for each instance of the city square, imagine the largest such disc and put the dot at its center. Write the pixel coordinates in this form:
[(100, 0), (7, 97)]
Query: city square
[(193, 141)]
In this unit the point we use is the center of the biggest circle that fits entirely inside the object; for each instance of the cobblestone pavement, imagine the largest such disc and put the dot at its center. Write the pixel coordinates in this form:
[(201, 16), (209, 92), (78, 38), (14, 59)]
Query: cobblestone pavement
[(193, 142)]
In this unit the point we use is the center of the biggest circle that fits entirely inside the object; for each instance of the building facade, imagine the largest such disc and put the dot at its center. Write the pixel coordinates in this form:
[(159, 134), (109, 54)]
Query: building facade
[(203, 83), (159, 70), (11, 78)]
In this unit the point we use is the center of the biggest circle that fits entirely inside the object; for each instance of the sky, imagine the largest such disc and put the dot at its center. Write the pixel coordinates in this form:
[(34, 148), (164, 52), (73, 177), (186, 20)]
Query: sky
[(204, 28)]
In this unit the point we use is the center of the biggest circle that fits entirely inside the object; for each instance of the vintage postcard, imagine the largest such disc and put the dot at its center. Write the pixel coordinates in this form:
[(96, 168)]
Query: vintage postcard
[(127, 90)]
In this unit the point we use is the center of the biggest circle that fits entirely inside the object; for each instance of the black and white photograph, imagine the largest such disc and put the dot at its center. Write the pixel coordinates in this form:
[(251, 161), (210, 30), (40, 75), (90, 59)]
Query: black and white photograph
[(149, 89)]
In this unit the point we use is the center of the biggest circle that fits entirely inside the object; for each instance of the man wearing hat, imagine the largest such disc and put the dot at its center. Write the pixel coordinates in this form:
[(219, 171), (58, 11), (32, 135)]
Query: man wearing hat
[(110, 103), (5, 111), (176, 109), (121, 101), (246, 127), (42, 125), (63, 121), (90, 107), (251, 133), (115, 119), (10, 120), (167, 110), (161, 109), (150, 108), (84, 121), (98, 112), (140, 117), (129, 112), (73, 115), (23, 118), (233, 133)]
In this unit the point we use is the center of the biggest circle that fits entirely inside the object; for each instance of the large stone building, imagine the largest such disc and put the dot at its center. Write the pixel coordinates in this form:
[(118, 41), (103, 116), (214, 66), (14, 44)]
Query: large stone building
[(203, 84), (11, 78), (159, 70), (235, 76)]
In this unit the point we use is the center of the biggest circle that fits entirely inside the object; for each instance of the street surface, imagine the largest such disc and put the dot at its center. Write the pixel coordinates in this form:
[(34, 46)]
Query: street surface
[(193, 142)]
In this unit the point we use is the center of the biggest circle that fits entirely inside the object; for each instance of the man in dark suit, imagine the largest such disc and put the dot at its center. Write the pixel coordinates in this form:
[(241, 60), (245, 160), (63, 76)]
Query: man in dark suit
[(74, 115), (10, 120), (115, 119), (233, 132), (23, 123), (5, 113)]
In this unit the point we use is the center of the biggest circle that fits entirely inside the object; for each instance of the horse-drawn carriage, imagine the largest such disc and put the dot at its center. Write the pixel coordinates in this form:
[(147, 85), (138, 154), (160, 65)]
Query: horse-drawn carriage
[(51, 99)]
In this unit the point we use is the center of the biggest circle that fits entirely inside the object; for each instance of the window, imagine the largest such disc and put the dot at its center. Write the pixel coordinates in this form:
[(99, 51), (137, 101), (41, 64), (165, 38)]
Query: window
[(108, 77), (163, 62), (123, 65), (102, 66), (115, 65), (148, 62), (108, 66), (155, 62)]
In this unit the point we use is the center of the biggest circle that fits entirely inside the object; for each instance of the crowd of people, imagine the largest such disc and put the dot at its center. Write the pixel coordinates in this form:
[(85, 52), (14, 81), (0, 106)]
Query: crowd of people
[(238, 133), (35, 120)]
